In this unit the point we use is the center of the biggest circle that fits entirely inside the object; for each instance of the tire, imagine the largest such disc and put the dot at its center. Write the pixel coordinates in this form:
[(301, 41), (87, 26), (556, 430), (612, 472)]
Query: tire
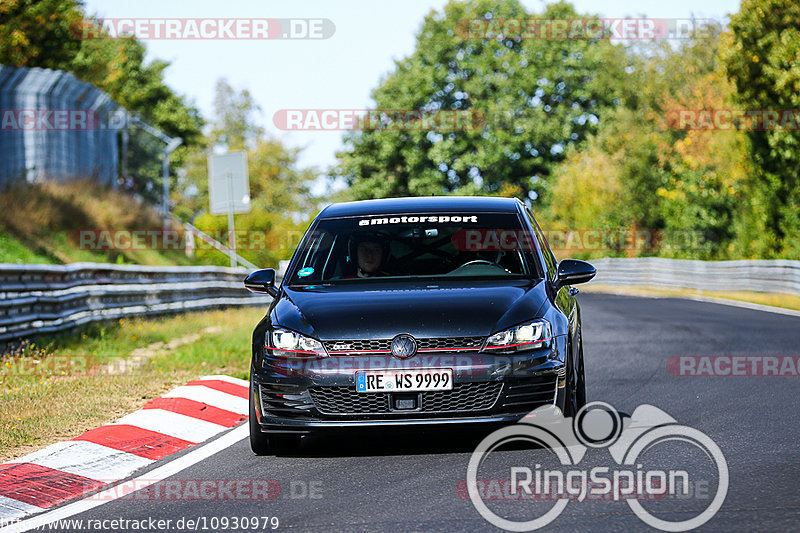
[(269, 443), (576, 387), (580, 389), (570, 399), (259, 441)]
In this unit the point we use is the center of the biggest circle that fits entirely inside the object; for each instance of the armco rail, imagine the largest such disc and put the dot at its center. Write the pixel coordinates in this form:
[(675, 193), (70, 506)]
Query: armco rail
[(50, 298), (45, 298), (745, 275)]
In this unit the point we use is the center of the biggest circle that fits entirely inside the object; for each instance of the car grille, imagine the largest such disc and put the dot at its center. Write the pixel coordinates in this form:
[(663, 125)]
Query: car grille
[(348, 347), (449, 344), (284, 400), (528, 395), (479, 396)]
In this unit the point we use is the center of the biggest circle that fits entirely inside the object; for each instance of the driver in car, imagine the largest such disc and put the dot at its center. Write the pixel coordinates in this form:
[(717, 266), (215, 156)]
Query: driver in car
[(371, 255)]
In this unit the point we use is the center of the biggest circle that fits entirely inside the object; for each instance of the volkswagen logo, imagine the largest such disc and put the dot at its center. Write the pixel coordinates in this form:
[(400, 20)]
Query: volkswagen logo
[(404, 346)]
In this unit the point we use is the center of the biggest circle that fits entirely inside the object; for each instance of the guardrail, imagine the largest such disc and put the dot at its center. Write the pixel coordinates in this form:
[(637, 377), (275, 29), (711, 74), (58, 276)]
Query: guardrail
[(760, 275), (49, 298)]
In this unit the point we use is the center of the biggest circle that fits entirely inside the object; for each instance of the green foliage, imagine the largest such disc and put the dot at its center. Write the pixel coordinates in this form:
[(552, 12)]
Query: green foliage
[(538, 98), (57, 34), (762, 58), (235, 127), (281, 201), (639, 172), (118, 67), (39, 33)]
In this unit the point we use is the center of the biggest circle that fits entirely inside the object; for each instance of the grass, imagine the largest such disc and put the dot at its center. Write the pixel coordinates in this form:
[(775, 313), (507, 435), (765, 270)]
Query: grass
[(13, 251), (41, 222), (50, 389), (786, 301)]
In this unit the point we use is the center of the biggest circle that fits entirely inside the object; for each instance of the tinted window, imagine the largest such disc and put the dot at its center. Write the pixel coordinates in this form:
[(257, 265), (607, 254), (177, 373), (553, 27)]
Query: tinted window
[(420, 245), (549, 258)]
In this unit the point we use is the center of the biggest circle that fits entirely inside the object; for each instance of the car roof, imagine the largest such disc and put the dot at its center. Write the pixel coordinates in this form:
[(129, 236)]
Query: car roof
[(421, 204)]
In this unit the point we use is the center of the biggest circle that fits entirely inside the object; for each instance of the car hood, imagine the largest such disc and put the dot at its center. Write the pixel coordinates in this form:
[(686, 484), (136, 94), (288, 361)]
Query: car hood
[(383, 310)]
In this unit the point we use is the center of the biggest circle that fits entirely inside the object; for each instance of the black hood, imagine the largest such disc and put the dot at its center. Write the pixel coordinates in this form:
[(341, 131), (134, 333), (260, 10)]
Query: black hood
[(381, 310)]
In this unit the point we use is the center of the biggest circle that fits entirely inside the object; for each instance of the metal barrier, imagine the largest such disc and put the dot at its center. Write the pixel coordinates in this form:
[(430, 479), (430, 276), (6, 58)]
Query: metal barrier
[(56, 127), (50, 298), (745, 275)]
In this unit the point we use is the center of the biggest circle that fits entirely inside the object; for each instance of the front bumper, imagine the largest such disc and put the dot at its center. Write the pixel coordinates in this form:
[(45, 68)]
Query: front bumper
[(302, 396)]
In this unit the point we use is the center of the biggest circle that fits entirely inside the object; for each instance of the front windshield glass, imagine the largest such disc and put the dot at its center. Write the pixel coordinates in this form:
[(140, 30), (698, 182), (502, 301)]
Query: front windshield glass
[(419, 245)]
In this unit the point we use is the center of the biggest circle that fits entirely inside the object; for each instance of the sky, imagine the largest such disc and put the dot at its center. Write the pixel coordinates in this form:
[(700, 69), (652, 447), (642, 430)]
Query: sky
[(335, 73)]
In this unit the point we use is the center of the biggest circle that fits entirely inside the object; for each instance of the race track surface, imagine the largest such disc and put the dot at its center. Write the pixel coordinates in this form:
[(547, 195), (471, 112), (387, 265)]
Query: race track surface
[(386, 482)]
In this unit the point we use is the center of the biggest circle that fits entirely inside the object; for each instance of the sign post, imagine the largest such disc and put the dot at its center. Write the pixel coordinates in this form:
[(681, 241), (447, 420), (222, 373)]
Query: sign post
[(229, 191)]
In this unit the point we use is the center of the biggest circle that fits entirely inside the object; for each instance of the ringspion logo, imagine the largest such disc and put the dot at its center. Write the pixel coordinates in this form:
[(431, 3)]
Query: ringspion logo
[(629, 441)]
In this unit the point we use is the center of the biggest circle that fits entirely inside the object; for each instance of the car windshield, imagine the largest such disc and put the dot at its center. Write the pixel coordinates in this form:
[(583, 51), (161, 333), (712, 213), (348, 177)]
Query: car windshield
[(409, 246)]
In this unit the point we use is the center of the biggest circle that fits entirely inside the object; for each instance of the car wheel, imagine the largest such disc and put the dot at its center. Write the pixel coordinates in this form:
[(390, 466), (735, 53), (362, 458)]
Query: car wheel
[(570, 400), (580, 388), (265, 443), (259, 441), (575, 396)]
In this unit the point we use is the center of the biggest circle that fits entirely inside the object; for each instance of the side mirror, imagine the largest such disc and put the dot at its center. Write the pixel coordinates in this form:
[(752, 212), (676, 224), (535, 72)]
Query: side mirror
[(572, 271), (262, 281)]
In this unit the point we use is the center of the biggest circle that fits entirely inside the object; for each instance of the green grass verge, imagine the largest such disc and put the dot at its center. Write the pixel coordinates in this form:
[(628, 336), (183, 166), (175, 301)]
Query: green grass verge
[(13, 251)]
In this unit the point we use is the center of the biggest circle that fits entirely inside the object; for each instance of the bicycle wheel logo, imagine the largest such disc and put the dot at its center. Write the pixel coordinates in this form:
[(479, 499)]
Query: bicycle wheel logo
[(600, 425)]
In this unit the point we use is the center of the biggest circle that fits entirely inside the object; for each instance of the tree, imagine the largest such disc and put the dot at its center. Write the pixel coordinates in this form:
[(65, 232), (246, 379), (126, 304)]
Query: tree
[(236, 127), (39, 33), (538, 97), (57, 34), (118, 67), (641, 172), (281, 200), (762, 58)]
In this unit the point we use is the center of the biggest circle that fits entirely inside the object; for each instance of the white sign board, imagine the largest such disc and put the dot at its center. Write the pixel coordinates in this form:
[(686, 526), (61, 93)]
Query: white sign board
[(228, 183)]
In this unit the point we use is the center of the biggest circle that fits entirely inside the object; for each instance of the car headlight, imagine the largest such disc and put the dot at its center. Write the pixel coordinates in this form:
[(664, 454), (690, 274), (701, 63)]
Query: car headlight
[(288, 343), (527, 336)]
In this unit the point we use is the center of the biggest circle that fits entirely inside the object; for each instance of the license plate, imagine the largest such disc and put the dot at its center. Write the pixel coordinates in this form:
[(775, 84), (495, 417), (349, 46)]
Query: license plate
[(431, 379)]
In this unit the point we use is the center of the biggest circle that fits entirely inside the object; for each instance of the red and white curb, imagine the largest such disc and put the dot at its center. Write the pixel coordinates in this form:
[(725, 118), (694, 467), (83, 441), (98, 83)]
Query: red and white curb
[(184, 417)]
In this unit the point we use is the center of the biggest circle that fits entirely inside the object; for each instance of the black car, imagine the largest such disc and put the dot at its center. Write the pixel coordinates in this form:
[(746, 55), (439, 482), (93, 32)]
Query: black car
[(415, 312)]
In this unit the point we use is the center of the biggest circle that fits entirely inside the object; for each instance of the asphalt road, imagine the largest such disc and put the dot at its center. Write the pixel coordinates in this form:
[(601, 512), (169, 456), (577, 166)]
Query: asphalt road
[(386, 482)]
